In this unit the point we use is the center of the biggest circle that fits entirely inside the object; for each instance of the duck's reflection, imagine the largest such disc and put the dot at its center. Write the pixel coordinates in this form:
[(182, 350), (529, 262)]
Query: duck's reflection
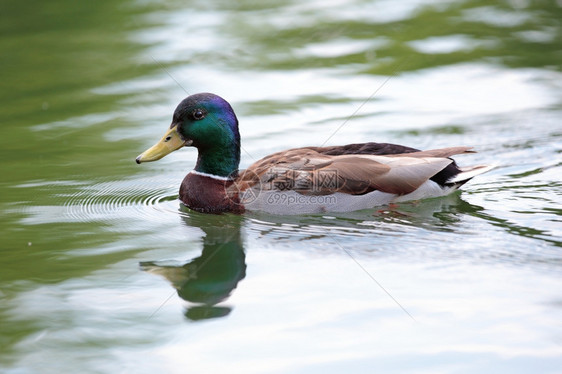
[(209, 279)]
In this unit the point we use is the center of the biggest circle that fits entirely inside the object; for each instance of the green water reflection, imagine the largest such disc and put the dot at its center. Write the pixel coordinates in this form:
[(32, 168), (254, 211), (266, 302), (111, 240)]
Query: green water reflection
[(211, 277), (513, 33)]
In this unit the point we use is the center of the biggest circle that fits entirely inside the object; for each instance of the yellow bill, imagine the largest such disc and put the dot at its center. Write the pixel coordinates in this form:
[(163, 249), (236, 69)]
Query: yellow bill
[(169, 143)]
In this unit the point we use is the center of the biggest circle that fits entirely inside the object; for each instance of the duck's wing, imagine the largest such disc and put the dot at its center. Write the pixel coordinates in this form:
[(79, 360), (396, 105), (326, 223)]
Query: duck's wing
[(360, 174), (309, 172), (364, 149), (440, 152)]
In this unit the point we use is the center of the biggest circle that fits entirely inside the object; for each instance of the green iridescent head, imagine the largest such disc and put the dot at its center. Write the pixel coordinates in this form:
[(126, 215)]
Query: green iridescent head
[(207, 122)]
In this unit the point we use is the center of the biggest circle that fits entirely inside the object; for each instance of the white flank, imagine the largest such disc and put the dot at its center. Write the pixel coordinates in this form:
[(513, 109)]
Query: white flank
[(426, 190), (291, 202)]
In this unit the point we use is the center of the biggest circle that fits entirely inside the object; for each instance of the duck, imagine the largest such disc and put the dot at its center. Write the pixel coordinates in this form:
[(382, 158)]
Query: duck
[(306, 180)]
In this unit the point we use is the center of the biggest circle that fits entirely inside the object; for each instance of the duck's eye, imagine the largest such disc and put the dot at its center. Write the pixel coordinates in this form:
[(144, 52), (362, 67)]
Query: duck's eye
[(198, 114)]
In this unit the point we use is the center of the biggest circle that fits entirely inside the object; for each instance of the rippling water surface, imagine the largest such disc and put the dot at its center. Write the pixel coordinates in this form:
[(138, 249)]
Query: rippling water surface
[(103, 271)]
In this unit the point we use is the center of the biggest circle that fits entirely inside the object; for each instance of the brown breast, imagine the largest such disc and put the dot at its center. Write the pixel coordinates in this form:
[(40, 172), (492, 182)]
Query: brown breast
[(208, 195)]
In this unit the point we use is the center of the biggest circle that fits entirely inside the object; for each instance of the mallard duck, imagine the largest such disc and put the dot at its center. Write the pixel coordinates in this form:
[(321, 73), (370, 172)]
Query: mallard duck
[(299, 180)]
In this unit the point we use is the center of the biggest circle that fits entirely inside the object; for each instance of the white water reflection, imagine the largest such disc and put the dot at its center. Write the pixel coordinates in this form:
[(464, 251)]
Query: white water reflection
[(467, 320)]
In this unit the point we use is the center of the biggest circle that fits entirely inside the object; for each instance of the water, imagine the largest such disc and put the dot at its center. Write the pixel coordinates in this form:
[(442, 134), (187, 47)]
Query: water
[(103, 271)]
